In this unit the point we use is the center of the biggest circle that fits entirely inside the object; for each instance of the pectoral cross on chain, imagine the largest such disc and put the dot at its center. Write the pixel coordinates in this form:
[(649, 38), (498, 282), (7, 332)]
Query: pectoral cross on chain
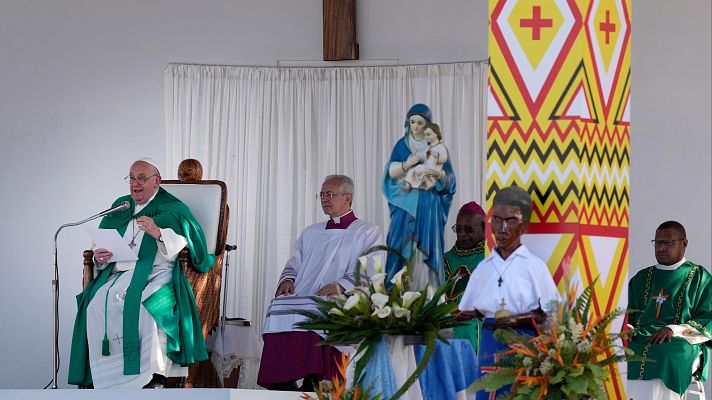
[(659, 300), (499, 281)]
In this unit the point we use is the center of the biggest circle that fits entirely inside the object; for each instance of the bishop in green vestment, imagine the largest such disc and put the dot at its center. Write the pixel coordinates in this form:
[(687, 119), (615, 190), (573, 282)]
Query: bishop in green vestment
[(670, 308), (464, 256), (136, 321)]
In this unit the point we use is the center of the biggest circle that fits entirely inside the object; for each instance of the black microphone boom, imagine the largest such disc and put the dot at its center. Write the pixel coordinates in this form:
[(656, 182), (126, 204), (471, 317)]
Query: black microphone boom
[(55, 285)]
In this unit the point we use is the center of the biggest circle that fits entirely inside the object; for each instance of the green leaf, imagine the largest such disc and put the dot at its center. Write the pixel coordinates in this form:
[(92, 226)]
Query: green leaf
[(558, 377), (494, 380), (575, 385)]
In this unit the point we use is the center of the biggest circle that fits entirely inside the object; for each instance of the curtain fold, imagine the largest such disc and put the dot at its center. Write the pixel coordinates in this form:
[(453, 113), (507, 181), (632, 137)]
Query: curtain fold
[(272, 134)]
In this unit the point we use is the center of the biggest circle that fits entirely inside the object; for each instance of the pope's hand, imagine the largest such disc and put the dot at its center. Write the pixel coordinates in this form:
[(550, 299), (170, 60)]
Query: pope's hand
[(147, 225), (286, 288), (102, 256)]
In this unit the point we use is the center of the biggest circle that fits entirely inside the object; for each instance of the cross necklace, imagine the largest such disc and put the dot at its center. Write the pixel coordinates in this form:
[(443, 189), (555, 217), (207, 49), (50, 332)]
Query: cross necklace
[(134, 233), (501, 280)]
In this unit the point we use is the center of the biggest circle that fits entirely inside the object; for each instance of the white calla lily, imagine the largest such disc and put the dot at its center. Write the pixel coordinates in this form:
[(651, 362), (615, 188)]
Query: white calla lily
[(398, 277), (363, 260), (352, 301), (382, 312), (379, 299), (336, 311), (409, 298), (378, 263), (378, 281), (401, 312)]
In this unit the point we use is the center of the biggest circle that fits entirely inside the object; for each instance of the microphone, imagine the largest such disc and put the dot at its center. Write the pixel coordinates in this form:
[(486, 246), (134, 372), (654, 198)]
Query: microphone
[(123, 206)]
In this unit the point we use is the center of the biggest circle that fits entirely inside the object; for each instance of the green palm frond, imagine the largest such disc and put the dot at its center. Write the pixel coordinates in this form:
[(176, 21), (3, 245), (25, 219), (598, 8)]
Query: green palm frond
[(584, 301)]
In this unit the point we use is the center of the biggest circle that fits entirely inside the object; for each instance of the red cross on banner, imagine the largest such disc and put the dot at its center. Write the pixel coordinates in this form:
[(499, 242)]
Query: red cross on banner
[(536, 23), (607, 27)]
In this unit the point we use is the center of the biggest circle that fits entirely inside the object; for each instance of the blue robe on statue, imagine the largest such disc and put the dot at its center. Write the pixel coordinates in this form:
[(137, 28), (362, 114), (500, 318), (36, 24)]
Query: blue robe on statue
[(418, 217)]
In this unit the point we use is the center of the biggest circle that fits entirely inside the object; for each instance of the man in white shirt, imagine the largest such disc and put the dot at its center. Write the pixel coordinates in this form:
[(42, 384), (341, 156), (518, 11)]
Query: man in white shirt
[(510, 286), (323, 263)]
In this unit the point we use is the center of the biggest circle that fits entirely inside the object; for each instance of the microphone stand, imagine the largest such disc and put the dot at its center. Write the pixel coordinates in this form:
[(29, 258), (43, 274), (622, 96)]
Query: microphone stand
[(226, 283), (55, 289)]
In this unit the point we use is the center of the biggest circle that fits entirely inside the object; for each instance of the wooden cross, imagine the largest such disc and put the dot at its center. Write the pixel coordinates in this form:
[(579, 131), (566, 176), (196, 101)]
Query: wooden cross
[(659, 300), (499, 281), (339, 30)]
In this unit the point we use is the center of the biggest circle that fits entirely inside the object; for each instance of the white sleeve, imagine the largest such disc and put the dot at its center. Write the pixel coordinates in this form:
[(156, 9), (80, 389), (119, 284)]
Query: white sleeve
[(689, 333), (546, 289), (291, 270), (171, 245)]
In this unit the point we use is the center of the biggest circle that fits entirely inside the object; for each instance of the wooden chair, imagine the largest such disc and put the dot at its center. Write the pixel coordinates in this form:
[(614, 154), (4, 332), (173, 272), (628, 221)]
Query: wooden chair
[(207, 200)]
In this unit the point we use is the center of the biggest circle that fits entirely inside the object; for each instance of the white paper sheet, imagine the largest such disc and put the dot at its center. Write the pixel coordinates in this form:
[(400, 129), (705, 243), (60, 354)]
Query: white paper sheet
[(109, 239)]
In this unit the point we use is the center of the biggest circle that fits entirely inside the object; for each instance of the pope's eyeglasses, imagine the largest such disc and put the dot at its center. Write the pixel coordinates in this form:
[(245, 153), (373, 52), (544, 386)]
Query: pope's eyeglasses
[(140, 179)]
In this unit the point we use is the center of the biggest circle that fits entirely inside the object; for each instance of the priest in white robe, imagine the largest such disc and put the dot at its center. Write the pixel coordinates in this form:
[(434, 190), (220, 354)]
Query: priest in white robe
[(137, 322), (511, 285), (323, 263)]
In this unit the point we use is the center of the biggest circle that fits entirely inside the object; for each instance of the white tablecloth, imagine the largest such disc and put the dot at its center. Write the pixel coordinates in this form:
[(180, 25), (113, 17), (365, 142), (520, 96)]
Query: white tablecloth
[(236, 347)]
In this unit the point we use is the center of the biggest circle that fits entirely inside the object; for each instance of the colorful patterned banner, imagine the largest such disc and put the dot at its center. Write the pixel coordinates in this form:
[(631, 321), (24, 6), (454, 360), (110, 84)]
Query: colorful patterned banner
[(558, 126)]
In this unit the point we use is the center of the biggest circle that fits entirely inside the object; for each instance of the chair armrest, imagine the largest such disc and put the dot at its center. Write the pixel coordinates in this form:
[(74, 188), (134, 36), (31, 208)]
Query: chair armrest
[(88, 271), (184, 259)]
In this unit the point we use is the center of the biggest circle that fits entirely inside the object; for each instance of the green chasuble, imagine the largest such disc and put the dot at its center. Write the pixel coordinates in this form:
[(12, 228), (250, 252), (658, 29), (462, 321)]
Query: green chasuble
[(172, 306), (459, 264), (657, 298)]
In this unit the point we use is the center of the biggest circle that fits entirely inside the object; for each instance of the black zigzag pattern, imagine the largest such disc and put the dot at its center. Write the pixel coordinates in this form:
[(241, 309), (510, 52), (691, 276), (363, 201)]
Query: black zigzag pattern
[(605, 196), (496, 150), (613, 156), (543, 194)]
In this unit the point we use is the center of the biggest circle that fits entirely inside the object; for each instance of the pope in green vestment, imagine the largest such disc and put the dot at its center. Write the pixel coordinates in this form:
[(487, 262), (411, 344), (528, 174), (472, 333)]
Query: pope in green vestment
[(170, 304), (462, 259), (670, 308)]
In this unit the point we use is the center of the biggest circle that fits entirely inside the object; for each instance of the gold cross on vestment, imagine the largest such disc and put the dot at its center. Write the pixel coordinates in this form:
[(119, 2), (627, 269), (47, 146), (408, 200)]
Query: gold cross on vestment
[(659, 300)]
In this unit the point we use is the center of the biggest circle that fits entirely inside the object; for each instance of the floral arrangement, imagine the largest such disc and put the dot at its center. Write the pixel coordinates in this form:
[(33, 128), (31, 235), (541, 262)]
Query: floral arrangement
[(373, 309), (568, 358)]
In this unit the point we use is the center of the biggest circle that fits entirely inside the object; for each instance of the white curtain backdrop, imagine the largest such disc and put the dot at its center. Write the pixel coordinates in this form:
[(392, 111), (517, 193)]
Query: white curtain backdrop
[(272, 134)]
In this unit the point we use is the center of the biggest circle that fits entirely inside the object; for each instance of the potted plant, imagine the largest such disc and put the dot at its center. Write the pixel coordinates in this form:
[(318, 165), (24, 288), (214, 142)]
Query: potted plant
[(568, 358)]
